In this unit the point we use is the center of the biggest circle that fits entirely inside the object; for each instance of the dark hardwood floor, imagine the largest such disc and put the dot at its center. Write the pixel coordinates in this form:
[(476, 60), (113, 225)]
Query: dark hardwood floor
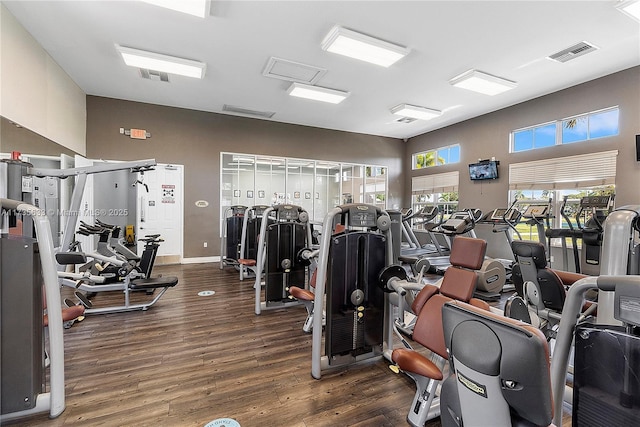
[(189, 360)]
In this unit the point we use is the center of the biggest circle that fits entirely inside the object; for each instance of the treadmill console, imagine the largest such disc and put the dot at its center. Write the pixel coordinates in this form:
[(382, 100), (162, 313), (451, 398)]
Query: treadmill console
[(536, 211), (501, 214), (497, 214), (595, 201)]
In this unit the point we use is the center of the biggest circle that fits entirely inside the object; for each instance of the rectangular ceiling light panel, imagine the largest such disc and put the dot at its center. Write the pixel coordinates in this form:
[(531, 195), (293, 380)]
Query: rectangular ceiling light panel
[(365, 48), (483, 83), (415, 112), (631, 8), (317, 93), (199, 8), (158, 62)]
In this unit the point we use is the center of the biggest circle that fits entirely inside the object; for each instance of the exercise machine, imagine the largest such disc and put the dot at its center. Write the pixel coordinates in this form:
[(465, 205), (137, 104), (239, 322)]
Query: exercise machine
[(28, 271), (563, 234), (595, 209), (232, 221), (278, 247), (357, 315), (436, 245), (499, 370), (427, 372), (249, 239), (491, 274), (501, 366), (588, 228)]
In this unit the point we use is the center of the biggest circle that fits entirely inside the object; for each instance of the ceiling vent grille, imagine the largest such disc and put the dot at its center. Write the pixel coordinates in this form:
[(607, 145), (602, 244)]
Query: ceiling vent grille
[(406, 120), (247, 112), (159, 76), (283, 69), (573, 52)]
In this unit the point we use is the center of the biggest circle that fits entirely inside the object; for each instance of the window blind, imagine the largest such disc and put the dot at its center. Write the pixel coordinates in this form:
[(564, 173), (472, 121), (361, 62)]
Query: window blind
[(585, 170), (437, 183)]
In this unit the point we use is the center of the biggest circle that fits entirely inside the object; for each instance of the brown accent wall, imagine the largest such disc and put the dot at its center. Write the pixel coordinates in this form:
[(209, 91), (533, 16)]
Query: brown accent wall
[(488, 136), (23, 140), (195, 140)]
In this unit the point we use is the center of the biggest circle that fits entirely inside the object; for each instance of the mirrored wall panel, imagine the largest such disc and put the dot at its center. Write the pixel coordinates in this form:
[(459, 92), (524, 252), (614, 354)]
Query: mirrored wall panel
[(316, 185)]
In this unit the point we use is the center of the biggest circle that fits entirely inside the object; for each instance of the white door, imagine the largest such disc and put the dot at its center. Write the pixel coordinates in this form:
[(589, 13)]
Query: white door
[(160, 210)]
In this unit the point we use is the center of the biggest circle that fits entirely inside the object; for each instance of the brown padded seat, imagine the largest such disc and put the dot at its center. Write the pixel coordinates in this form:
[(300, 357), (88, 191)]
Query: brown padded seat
[(305, 294), (301, 294), (248, 262), (410, 361)]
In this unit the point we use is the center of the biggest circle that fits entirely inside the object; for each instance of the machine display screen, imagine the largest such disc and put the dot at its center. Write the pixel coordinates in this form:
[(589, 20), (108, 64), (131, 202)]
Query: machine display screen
[(536, 211), (288, 213), (361, 216)]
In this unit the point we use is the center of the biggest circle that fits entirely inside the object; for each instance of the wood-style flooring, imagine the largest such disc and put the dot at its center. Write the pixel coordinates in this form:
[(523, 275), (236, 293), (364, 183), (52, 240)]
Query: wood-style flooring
[(192, 359), (189, 360)]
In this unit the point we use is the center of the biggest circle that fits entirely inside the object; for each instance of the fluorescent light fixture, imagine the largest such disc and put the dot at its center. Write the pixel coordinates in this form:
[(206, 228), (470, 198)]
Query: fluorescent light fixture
[(317, 93), (481, 82), (159, 62), (365, 48), (630, 8), (415, 112), (199, 8)]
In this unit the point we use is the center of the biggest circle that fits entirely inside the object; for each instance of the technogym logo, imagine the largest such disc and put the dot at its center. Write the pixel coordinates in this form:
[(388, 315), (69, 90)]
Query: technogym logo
[(478, 389)]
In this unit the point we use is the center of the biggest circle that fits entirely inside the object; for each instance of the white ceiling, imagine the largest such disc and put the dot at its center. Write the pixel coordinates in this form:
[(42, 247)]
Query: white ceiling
[(506, 38)]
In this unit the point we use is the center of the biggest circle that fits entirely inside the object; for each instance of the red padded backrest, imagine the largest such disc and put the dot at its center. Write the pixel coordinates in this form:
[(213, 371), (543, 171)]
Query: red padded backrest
[(459, 283), (468, 252), (428, 329)]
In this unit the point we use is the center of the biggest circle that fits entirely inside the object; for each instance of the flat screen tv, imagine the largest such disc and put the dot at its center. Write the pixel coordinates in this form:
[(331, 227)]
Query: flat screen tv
[(483, 170)]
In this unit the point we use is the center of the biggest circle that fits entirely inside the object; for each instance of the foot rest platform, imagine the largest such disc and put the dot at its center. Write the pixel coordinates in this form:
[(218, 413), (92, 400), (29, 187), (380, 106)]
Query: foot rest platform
[(157, 282)]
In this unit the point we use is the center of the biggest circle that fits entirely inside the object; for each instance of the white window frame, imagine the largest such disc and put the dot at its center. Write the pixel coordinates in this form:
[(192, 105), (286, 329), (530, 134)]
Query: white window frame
[(434, 150), (559, 124)]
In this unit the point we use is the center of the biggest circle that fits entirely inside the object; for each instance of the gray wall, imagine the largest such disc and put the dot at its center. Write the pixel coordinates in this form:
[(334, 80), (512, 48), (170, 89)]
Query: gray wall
[(488, 136), (195, 139)]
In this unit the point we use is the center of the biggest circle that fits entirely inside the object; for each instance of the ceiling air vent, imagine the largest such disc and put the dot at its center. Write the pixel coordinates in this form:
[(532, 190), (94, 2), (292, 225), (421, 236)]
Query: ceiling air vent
[(247, 112), (283, 69), (573, 52), (159, 76), (406, 120)]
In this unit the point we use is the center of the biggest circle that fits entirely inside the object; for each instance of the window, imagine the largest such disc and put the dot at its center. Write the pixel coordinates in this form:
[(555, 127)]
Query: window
[(596, 124), (436, 157), (571, 176), (535, 137), (437, 189)]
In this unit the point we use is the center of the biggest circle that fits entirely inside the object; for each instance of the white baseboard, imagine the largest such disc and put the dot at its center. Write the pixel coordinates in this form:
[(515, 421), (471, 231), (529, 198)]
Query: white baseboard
[(200, 260)]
